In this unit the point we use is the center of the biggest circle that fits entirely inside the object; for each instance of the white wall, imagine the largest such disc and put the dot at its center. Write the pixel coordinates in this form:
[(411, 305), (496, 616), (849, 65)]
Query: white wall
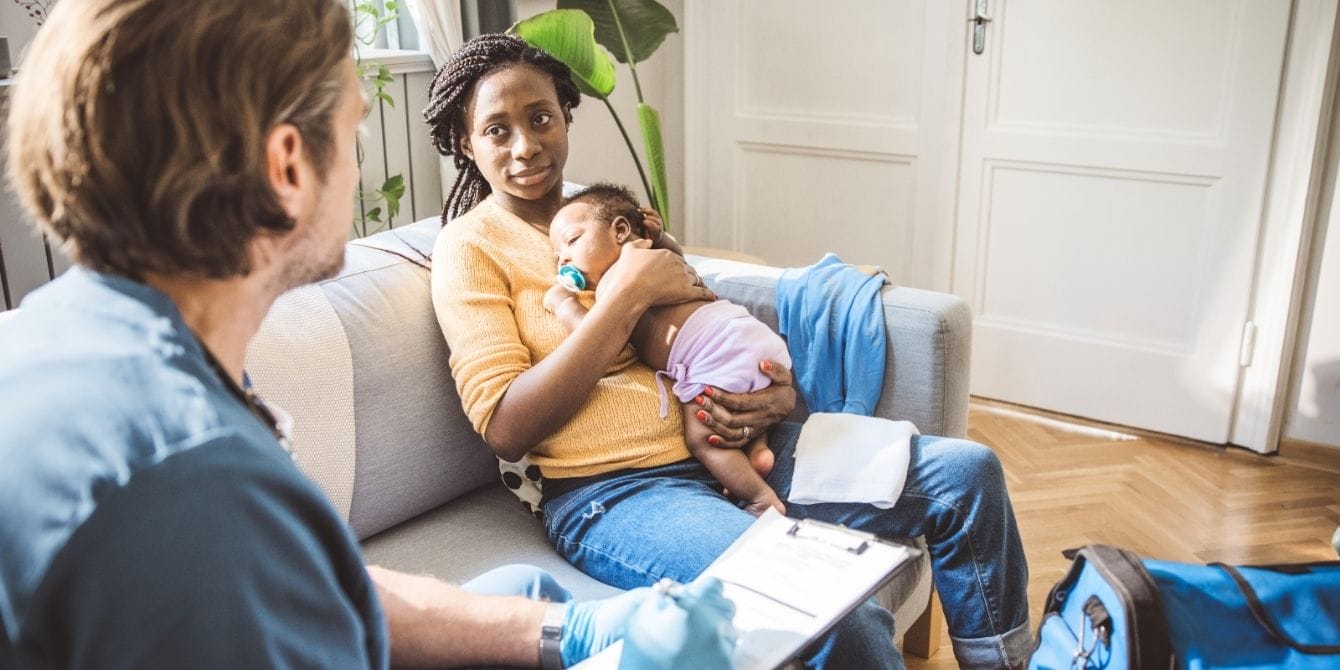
[(16, 25), (1315, 387), (596, 150)]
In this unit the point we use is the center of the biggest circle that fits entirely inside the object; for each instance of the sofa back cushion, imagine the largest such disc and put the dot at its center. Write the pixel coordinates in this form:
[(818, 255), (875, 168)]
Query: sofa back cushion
[(360, 363)]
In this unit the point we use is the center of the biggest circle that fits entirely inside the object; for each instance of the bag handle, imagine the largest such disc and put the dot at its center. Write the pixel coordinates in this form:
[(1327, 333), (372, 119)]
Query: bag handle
[(1125, 573), (1262, 617)]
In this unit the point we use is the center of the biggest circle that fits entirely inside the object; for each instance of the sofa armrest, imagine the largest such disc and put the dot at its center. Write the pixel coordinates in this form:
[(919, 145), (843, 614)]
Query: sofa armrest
[(929, 338), (360, 363)]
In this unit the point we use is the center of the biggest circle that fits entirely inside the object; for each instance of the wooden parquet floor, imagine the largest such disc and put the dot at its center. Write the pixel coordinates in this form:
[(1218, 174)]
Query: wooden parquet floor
[(1075, 482)]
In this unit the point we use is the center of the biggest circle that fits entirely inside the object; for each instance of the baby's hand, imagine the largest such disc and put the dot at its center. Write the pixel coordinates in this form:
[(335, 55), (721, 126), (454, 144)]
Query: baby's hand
[(555, 296), (652, 225)]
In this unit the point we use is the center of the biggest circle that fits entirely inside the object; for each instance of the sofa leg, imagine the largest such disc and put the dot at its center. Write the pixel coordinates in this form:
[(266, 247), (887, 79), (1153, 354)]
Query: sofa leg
[(923, 638)]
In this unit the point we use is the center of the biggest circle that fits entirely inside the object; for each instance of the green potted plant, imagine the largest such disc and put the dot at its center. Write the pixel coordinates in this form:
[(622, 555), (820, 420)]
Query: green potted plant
[(369, 20), (631, 30)]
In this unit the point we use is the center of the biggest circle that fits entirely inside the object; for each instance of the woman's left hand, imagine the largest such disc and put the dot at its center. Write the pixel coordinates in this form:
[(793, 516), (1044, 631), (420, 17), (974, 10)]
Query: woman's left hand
[(736, 417)]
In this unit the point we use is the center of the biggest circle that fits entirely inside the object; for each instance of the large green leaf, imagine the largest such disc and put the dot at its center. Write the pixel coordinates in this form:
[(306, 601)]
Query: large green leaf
[(649, 120), (645, 24), (569, 36)]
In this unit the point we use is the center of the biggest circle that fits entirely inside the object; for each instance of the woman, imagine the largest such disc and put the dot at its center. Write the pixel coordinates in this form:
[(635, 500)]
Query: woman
[(623, 500)]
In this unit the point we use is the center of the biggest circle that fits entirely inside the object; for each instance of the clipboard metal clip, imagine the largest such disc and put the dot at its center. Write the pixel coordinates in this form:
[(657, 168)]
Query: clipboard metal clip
[(837, 536)]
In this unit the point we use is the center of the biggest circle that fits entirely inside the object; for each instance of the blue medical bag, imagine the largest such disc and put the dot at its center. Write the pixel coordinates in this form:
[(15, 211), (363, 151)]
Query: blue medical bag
[(1114, 610)]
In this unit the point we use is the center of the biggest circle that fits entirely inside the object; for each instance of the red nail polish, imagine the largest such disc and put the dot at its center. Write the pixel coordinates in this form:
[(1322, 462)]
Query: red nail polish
[(714, 440), (708, 391), (700, 400), (702, 416), (767, 366)]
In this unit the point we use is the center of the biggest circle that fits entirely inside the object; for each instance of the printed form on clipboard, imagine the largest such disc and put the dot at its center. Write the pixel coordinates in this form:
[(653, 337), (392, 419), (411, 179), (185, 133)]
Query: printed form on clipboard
[(791, 581)]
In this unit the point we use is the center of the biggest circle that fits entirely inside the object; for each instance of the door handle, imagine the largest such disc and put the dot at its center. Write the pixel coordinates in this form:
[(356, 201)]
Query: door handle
[(979, 20)]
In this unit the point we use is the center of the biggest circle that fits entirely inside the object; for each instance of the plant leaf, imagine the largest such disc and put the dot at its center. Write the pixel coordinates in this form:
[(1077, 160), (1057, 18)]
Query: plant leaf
[(395, 185), (645, 24), (569, 36), (649, 120)]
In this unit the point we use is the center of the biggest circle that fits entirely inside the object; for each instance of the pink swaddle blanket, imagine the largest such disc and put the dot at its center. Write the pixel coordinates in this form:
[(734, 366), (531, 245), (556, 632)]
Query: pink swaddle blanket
[(720, 345)]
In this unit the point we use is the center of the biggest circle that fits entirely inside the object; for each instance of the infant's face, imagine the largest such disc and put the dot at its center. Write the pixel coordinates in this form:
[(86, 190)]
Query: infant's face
[(582, 240)]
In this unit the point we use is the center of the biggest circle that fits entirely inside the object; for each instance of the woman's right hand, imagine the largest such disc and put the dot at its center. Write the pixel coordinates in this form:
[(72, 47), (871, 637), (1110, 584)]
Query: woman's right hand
[(651, 277)]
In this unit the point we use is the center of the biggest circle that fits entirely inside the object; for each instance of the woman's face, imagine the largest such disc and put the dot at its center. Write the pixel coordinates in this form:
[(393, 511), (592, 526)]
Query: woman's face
[(517, 133)]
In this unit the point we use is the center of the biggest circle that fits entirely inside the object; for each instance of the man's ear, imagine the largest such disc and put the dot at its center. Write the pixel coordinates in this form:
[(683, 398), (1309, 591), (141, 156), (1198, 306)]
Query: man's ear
[(622, 228), (567, 113), (285, 167)]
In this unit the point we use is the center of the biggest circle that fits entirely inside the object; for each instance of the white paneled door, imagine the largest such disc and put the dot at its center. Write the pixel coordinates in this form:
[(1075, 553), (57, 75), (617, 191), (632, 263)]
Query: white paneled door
[(827, 129), (1112, 170), (1092, 181)]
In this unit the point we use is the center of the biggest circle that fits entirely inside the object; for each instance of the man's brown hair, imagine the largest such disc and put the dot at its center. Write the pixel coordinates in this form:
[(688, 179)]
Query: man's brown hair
[(137, 128)]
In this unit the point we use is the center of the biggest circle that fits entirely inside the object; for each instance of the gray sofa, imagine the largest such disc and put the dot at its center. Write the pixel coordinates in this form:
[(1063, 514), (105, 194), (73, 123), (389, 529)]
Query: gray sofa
[(360, 363)]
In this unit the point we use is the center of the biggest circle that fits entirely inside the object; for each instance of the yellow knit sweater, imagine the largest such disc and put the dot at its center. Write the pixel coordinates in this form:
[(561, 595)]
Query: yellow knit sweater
[(490, 273)]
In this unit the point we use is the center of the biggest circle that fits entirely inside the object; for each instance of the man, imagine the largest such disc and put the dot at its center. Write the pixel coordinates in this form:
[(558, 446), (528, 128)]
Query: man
[(197, 159)]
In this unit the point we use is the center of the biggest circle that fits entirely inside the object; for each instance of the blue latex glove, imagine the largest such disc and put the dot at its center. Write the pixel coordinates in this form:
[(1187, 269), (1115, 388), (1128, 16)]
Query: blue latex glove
[(593, 625), (689, 629)]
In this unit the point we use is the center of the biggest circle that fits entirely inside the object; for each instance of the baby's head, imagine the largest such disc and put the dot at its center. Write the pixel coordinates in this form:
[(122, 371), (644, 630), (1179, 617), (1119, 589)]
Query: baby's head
[(590, 227)]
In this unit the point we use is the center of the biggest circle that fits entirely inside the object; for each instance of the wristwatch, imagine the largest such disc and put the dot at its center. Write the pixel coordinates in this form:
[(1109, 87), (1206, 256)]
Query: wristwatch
[(551, 637)]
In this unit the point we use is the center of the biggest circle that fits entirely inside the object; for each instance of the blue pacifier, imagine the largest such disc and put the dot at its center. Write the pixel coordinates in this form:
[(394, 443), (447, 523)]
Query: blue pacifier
[(572, 279)]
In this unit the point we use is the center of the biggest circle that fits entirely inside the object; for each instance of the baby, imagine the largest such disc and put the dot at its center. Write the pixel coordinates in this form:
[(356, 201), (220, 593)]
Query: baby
[(697, 344)]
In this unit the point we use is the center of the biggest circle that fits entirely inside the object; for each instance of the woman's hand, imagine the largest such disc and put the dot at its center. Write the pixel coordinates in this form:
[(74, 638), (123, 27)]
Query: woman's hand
[(736, 417), (649, 278)]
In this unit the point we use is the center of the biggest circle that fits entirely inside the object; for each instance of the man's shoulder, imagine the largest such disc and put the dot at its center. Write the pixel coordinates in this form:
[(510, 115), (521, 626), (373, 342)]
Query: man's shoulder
[(94, 395), (108, 399), (204, 554)]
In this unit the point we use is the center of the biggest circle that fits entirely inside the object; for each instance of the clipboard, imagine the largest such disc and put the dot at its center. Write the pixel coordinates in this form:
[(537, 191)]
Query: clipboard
[(791, 581)]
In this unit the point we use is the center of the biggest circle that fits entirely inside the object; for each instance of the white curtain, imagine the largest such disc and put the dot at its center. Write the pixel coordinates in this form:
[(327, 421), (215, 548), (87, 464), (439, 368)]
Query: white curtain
[(440, 33), (439, 23)]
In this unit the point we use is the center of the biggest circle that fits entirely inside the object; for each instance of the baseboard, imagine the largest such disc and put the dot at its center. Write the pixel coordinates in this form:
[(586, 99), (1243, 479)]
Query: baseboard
[(1310, 453)]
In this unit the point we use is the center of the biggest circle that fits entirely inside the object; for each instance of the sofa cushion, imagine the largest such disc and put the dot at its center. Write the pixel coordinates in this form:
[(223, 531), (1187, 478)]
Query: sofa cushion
[(394, 416), (477, 532)]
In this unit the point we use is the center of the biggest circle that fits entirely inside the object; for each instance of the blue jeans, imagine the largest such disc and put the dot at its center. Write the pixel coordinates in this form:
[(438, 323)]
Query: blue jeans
[(632, 528), (519, 579)]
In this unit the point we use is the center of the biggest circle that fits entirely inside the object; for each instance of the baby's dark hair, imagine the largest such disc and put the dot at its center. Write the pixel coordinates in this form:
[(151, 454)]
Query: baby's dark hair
[(610, 201), (451, 88)]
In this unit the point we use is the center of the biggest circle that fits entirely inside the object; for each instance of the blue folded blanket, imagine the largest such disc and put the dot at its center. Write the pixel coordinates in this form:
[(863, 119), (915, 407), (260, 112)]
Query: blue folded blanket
[(833, 320)]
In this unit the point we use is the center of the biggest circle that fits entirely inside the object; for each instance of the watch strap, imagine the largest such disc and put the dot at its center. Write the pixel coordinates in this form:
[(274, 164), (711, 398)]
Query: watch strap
[(551, 636)]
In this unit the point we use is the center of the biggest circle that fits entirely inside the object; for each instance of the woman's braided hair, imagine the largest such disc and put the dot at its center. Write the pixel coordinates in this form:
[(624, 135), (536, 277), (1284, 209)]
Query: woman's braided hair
[(450, 90)]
